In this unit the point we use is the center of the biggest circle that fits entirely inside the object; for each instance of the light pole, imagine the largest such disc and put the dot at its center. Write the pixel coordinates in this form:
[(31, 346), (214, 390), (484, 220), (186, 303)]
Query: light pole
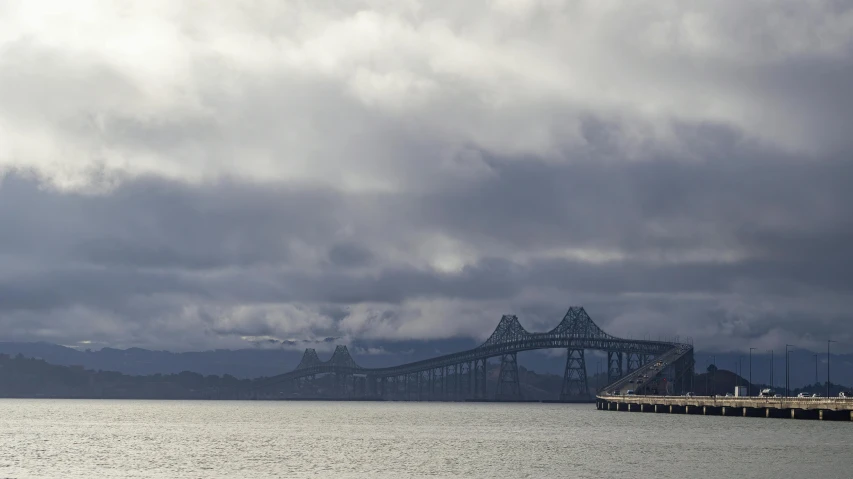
[(772, 379), (740, 368), (815, 370), (828, 341), (714, 374), (749, 391), (787, 371)]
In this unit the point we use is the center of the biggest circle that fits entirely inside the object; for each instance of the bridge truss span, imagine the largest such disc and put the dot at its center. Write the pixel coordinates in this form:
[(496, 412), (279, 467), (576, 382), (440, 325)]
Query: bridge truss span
[(464, 375)]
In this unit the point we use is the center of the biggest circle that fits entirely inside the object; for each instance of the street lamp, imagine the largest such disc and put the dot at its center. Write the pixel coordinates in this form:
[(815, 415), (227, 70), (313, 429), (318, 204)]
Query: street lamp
[(772, 379), (740, 368), (749, 391), (787, 371), (815, 370), (714, 374), (828, 341)]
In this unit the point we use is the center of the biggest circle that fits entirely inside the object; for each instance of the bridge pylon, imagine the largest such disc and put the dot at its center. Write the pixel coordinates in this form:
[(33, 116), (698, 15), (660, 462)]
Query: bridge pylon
[(684, 371), (479, 375), (509, 387), (575, 385), (342, 385), (614, 366), (634, 362)]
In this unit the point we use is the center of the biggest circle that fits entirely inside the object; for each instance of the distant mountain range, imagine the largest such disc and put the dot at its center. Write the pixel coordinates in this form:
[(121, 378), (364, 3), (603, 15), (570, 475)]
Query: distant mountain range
[(241, 363), (258, 362)]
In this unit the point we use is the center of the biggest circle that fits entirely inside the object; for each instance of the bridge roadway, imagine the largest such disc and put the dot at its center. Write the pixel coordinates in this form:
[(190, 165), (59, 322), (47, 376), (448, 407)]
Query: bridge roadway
[(462, 375), (647, 379), (838, 409)]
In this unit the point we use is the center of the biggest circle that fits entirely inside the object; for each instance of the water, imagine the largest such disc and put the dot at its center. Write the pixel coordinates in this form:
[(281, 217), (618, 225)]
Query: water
[(177, 439)]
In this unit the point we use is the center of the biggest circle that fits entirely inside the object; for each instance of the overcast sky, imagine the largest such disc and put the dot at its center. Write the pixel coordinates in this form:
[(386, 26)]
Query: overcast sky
[(190, 175)]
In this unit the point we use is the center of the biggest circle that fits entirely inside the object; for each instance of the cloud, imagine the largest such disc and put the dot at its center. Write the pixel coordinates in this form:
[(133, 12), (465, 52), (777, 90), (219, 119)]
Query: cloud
[(185, 177)]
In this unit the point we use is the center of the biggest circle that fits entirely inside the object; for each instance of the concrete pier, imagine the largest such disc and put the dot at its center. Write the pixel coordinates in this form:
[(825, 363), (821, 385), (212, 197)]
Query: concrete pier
[(824, 409)]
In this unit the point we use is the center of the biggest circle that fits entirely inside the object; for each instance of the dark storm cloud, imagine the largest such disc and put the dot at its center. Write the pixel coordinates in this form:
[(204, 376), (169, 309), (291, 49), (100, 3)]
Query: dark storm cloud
[(349, 255), (370, 173), (228, 244)]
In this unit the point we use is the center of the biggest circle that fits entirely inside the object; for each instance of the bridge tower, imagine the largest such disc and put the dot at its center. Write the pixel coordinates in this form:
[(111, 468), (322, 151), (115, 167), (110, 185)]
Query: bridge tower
[(508, 385), (683, 372), (466, 380), (614, 366), (342, 384), (575, 385), (359, 386), (634, 362), (480, 370)]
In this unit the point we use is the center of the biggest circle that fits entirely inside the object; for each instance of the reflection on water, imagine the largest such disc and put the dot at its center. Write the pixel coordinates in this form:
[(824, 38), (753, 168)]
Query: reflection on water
[(169, 439)]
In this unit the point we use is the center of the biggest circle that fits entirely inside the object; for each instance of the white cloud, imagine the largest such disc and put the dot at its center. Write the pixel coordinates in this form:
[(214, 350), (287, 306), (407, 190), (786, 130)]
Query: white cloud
[(424, 166), (90, 87)]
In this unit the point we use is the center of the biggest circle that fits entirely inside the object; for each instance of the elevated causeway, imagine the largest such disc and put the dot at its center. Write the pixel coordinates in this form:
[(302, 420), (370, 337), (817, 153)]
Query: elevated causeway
[(632, 364), (835, 409)]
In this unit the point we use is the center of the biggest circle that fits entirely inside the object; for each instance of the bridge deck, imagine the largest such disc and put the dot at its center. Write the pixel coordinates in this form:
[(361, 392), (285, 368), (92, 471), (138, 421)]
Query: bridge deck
[(816, 408), (464, 374)]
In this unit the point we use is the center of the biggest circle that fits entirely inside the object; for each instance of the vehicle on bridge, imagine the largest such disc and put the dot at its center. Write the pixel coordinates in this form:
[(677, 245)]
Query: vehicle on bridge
[(766, 393)]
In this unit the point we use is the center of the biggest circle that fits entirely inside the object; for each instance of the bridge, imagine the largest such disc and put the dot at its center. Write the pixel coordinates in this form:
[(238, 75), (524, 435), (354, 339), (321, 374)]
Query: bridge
[(835, 409), (632, 364)]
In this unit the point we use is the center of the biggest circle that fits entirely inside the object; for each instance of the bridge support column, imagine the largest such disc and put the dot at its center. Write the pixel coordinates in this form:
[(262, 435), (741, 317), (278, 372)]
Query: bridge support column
[(340, 385), (614, 366), (444, 382), (423, 384), (508, 384), (684, 372), (575, 385), (808, 414), (472, 380), (457, 369), (479, 376), (633, 362)]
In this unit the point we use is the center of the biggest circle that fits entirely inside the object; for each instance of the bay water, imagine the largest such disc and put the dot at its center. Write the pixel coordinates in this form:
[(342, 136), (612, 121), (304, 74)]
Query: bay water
[(269, 439)]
